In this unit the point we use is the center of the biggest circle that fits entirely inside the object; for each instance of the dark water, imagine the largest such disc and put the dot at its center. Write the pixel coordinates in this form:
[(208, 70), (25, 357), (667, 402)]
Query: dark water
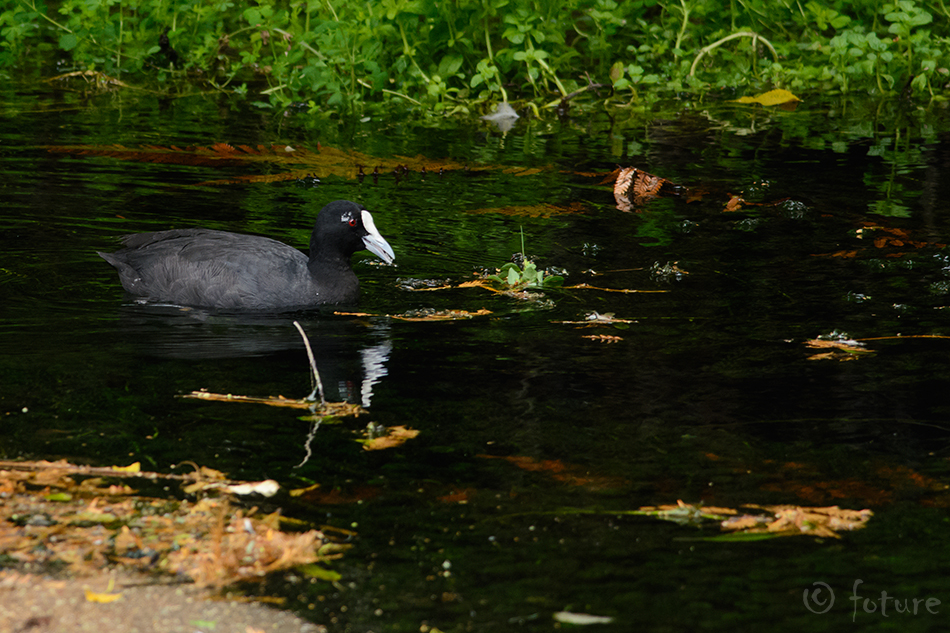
[(533, 439)]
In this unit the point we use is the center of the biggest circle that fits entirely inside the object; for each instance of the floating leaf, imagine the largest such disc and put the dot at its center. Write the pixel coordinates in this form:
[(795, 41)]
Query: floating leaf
[(603, 338), (838, 345), (770, 98), (640, 187), (735, 203)]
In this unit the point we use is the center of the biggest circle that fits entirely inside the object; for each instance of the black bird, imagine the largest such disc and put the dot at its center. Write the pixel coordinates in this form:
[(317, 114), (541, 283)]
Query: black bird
[(229, 271)]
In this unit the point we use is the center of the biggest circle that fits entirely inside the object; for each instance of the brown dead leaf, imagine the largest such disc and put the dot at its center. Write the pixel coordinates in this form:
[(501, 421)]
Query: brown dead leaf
[(779, 520), (837, 349), (624, 180), (795, 520), (603, 338), (735, 203), (636, 186)]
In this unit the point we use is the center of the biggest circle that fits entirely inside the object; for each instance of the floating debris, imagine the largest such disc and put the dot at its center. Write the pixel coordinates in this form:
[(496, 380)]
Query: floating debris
[(769, 522), (503, 117)]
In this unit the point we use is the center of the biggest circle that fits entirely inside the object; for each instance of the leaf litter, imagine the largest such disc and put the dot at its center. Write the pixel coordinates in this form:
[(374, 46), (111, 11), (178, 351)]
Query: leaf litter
[(99, 521)]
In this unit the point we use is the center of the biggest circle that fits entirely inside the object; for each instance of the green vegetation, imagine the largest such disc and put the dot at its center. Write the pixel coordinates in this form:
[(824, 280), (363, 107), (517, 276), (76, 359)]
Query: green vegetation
[(522, 273), (453, 55), (513, 277)]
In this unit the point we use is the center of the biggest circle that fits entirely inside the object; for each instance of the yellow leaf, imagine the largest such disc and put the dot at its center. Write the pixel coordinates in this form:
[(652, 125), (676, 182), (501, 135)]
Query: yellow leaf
[(770, 98), (296, 492), (103, 598), (131, 468)]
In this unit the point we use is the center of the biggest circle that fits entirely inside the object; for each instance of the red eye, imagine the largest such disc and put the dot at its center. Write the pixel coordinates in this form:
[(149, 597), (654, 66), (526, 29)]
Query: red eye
[(352, 222)]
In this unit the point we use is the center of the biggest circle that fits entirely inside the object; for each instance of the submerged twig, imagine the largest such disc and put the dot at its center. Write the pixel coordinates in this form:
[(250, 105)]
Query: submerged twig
[(314, 374), (340, 409), (306, 445)]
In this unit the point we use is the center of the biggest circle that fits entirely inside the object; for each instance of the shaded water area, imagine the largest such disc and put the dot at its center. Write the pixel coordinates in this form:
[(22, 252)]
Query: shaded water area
[(535, 435)]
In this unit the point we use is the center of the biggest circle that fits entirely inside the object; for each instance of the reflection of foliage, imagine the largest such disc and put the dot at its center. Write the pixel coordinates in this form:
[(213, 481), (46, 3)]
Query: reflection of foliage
[(299, 162)]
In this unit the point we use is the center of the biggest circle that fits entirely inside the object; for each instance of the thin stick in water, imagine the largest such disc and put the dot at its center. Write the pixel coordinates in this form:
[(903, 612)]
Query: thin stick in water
[(314, 374)]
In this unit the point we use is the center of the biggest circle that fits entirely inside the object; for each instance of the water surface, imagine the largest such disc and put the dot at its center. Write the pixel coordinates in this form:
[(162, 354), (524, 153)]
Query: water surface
[(534, 438)]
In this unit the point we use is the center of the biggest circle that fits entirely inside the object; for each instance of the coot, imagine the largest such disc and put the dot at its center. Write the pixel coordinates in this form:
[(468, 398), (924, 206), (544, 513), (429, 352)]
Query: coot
[(229, 271)]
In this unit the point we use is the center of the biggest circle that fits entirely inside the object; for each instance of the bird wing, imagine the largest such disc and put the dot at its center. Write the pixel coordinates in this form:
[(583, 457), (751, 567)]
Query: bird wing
[(203, 266)]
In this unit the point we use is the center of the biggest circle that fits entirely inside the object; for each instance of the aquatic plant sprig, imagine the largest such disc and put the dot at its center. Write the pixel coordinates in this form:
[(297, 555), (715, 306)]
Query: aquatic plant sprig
[(522, 273), (526, 276)]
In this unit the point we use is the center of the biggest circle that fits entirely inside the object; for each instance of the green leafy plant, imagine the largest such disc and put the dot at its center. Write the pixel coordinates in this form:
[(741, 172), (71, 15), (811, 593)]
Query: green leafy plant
[(465, 55), (525, 274)]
